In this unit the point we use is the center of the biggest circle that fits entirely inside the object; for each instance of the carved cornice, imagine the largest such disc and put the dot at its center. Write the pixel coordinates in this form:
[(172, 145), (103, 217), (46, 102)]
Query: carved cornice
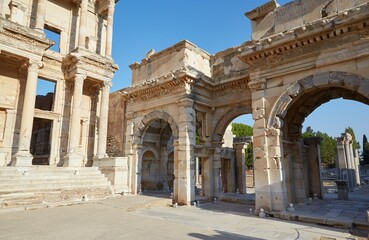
[(20, 37), (257, 85), (90, 63), (177, 85), (305, 39), (148, 92)]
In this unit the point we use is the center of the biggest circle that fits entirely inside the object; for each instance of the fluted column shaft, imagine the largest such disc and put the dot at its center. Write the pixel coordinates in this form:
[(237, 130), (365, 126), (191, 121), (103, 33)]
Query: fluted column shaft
[(75, 127), (23, 156), (83, 24), (103, 120), (109, 29)]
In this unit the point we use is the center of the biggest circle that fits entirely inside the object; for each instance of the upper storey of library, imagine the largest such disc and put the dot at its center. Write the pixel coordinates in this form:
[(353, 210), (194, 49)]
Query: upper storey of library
[(71, 24)]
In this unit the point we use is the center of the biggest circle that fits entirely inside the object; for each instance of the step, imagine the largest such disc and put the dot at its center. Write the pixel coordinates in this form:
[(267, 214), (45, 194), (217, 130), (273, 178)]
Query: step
[(53, 187), (51, 180), (24, 201)]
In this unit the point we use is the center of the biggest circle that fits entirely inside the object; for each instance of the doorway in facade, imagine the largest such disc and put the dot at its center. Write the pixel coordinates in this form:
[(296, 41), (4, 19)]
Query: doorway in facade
[(237, 156), (41, 141), (157, 171)]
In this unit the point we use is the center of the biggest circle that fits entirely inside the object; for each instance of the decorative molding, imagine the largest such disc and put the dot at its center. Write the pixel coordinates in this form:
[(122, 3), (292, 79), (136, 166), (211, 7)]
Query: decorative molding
[(263, 53)]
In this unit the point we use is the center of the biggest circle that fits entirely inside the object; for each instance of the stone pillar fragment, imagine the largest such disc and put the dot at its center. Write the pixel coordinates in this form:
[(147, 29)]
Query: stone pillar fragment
[(74, 158), (23, 156), (103, 121), (357, 166), (40, 16), (345, 162), (314, 166)]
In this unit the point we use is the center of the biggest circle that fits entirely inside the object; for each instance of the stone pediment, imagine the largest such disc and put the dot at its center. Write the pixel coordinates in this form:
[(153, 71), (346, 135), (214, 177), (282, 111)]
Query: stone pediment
[(295, 14)]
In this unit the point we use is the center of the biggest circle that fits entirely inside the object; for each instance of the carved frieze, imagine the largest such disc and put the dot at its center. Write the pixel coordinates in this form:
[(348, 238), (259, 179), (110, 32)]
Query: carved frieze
[(89, 62), (23, 38), (266, 53)]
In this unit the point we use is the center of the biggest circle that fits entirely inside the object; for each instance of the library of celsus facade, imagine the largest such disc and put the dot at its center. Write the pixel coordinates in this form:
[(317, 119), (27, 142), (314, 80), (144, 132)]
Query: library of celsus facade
[(65, 47), (181, 100)]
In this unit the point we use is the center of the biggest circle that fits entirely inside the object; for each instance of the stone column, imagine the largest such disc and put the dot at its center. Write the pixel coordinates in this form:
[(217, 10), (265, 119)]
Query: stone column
[(270, 186), (340, 157), (74, 158), (40, 16), (357, 166), (314, 166), (83, 24), (186, 159), (109, 29), (216, 171), (207, 177), (350, 168), (136, 169), (103, 121), (197, 163), (354, 165), (240, 167), (23, 156)]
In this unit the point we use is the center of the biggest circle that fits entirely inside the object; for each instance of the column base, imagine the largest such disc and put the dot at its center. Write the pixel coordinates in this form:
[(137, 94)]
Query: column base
[(3, 158), (22, 159), (73, 160)]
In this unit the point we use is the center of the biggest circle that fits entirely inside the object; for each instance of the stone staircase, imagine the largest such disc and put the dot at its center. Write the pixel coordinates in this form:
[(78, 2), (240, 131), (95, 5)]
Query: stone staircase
[(24, 188)]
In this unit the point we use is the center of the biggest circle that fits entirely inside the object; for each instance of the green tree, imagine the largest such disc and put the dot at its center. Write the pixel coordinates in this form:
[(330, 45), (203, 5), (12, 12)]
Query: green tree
[(327, 147), (365, 153), (309, 132), (241, 130), (248, 156), (355, 143)]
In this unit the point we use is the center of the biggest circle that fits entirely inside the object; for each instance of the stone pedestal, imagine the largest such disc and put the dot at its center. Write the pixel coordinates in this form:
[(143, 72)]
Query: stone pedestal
[(73, 160), (115, 170), (21, 159), (3, 158), (342, 189)]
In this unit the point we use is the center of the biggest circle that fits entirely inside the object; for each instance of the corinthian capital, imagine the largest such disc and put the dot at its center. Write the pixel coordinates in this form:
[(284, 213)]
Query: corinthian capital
[(33, 65), (79, 78)]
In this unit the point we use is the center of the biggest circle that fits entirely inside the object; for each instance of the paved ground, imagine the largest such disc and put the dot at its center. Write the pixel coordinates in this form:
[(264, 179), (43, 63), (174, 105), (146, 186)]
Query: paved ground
[(145, 217)]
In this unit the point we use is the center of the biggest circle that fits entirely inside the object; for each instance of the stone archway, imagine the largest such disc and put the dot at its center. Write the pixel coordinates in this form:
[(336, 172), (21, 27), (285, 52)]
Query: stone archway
[(228, 172), (285, 126), (145, 122), (347, 85), (227, 118), (156, 133)]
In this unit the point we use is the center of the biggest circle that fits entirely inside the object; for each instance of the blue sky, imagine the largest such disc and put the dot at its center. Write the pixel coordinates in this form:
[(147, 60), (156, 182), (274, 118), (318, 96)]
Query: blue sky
[(213, 25)]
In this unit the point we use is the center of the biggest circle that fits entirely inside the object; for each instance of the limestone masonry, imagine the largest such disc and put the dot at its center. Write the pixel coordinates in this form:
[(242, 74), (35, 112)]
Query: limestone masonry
[(167, 130)]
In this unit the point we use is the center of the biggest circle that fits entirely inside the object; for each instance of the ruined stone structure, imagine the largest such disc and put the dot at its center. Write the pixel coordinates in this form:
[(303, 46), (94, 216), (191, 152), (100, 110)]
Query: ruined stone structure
[(301, 55), (67, 127), (347, 161)]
